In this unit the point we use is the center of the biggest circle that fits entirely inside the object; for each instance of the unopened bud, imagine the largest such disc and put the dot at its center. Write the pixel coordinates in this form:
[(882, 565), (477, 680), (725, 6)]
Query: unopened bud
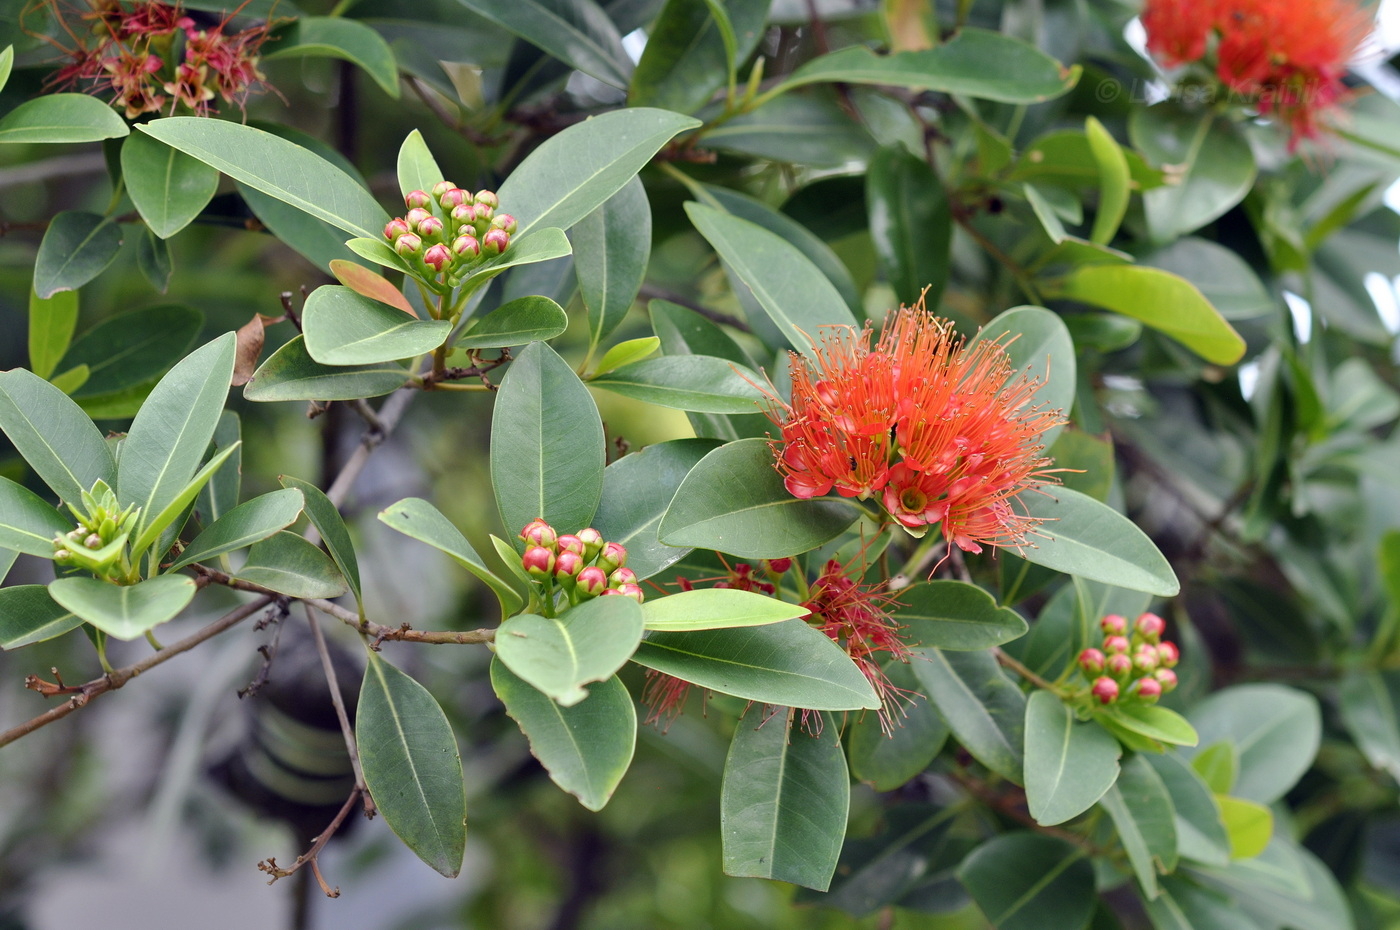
[(538, 533), (466, 246), (452, 197), (505, 222), (437, 256), (569, 542), (1145, 659), (1091, 662), (417, 199), (77, 534), (622, 576), (464, 214), (484, 214), (430, 227), (1118, 665), (1167, 654), (592, 542), (93, 542), (567, 566), (415, 216), (395, 228), (61, 554), (441, 188), (487, 198), (1166, 678), (1150, 626), (1149, 689), (538, 561), (1116, 644), (408, 244), (1113, 625), (495, 241), (612, 557), (592, 582), (1106, 690), (631, 590)]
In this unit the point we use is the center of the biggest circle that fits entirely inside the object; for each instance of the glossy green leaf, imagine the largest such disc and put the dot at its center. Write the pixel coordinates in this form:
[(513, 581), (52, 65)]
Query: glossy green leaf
[(288, 564), (412, 766), (62, 118), (611, 248), (910, 225), (249, 522), (1185, 905), (29, 615), (984, 709), (125, 612), (1142, 811), (346, 39), (1214, 160), (1200, 834), (734, 501), (27, 523), (319, 242), (417, 168), (1153, 722), (277, 167), (685, 332), (167, 522), (1081, 536), (326, 518), (224, 488), (54, 436), (1219, 273), (76, 248), (1276, 729), (1249, 826), (637, 490), (546, 444), (168, 187), (420, 520), (790, 289), (585, 748), (577, 32), (342, 327), (1286, 886), (169, 436), (7, 62), (540, 246), (1113, 181), (955, 615), (575, 172), (51, 325), (788, 664), (687, 57), (292, 374), (784, 802), (1218, 764), (1069, 764), (964, 65), (1039, 346), (627, 352), (558, 655), (916, 734), (687, 382), (714, 609), (1030, 881), (515, 323), (133, 349), (1369, 701), (1160, 299), (379, 252)]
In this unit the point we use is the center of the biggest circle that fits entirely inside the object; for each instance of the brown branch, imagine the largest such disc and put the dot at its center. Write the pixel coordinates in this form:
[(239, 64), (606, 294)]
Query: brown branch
[(269, 865), (651, 292), (1007, 661), (333, 681), (119, 677)]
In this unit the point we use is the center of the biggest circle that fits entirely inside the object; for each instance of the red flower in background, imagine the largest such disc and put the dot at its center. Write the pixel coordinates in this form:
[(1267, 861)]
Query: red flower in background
[(1177, 30)]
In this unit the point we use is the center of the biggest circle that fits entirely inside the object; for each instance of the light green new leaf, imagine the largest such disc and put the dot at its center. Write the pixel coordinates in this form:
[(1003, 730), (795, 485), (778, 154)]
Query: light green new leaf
[(125, 611), (325, 516), (625, 353), (1153, 722), (29, 615), (575, 172), (984, 709), (342, 327), (417, 168), (291, 373), (7, 62), (1226, 280), (412, 766), (784, 801), (346, 39), (1142, 811), (1248, 826), (62, 118), (585, 748), (714, 609), (1069, 764), (1113, 181), (170, 519), (53, 435), (420, 520), (1030, 881), (51, 325), (611, 248), (789, 663), (955, 615), (76, 248), (558, 655), (249, 522), (1083, 537), (168, 187), (288, 564), (27, 523), (515, 323), (687, 382), (277, 167)]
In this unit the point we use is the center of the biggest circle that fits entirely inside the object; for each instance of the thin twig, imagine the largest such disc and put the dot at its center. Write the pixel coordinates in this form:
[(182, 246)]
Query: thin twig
[(389, 416), (331, 679), (119, 677), (267, 650), (1016, 666), (652, 292), (269, 865)]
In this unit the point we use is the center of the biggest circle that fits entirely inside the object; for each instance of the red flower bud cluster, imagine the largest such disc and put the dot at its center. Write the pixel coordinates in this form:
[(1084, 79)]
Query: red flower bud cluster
[(1134, 666), (582, 565), (939, 431), (1288, 56), (147, 54), (448, 232)]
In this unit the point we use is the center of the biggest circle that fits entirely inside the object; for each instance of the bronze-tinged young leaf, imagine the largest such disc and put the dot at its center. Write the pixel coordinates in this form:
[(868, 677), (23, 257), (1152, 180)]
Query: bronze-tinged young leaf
[(365, 282), (251, 336)]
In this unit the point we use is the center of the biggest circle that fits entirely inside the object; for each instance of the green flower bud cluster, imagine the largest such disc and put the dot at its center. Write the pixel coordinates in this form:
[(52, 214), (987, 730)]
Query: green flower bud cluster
[(580, 566), (98, 543), (448, 232), (1133, 665)]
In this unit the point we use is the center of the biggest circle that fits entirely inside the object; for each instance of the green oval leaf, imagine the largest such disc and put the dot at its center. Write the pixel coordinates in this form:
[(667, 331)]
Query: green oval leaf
[(132, 349), (585, 748), (558, 655), (515, 323), (76, 248), (420, 520), (1151, 721), (412, 766), (291, 373), (734, 501), (714, 609), (51, 324), (1039, 346), (955, 615), (1083, 537), (687, 382), (62, 118), (346, 39), (916, 734), (54, 436), (1142, 811), (29, 615), (417, 169), (249, 522), (325, 516), (1029, 881), (288, 564), (788, 664), (1276, 729), (910, 225), (984, 709), (27, 523), (168, 187), (125, 611), (784, 802), (342, 327), (1069, 765), (1211, 158), (611, 248), (626, 352)]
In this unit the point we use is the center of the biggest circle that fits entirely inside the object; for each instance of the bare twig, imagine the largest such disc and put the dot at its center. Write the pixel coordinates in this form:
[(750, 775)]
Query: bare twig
[(331, 679), (1016, 666), (268, 650), (269, 865), (652, 292)]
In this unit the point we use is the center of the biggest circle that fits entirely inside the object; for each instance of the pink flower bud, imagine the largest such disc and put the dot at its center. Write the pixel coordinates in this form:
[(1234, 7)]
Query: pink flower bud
[(408, 244), (1167, 654), (487, 198), (484, 214), (417, 199), (622, 576), (453, 197), (1145, 658), (612, 557), (592, 582), (415, 216), (777, 566), (592, 542), (1149, 689), (1116, 644), (495, 241), (1113, 625), (1166, 678), (430, 227), (466, 246), (464, 214), (569, 542), (1118, 665), (1091, 662), (538, 561), (538, 533), (395, 228), (631, 590), (1106, 690), (567, 566), (437, 256), (441, 188), (1150, 626), (504, 221)]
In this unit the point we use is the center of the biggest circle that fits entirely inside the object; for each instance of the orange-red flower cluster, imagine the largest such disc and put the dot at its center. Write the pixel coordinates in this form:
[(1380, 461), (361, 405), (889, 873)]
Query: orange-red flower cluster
[(941, 432), (1288, 55)]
